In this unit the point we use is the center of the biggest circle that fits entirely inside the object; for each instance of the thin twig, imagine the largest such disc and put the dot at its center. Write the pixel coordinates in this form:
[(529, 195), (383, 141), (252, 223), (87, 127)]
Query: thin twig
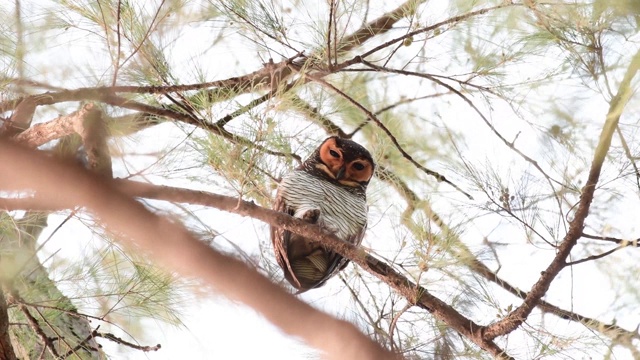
[(627, 153), (394, 321), (332, 8), (595, 257), (633, 242), (121, 341)]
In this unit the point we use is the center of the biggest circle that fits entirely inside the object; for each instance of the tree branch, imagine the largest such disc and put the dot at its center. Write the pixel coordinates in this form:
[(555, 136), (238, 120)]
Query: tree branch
[(461, 251), (61, 126), (414, 293), (633, 242), (60, 184), (539, 289)]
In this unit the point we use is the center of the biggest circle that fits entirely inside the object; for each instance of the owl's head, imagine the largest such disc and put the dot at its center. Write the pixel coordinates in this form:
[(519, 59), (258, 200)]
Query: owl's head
[(342, 161)]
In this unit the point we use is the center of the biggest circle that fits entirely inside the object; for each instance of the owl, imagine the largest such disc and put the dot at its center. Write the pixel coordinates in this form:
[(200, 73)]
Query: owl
[(328, 189)]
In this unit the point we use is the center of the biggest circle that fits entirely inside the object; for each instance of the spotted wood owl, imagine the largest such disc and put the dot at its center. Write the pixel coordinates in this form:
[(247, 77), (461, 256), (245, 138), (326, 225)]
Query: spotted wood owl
[(328, 189)]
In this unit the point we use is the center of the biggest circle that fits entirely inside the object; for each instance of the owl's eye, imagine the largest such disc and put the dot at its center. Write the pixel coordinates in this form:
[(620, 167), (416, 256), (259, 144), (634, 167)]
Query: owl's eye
[(334, 154), (358, 166)]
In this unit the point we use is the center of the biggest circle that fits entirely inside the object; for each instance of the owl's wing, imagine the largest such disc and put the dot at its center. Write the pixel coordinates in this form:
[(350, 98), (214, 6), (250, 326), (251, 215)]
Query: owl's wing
[(279, 237), (337, 263)]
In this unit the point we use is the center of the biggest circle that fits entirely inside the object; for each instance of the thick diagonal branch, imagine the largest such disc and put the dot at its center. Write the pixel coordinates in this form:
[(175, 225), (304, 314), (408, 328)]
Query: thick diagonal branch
[(60, 184), (413, 292), (173, 246)]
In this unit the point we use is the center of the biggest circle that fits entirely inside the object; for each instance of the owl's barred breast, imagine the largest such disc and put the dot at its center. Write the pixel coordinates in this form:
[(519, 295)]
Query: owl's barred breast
[(341, 211)]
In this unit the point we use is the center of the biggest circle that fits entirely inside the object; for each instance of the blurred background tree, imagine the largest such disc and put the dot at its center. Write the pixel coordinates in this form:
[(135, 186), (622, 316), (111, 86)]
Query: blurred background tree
[(492, 123)]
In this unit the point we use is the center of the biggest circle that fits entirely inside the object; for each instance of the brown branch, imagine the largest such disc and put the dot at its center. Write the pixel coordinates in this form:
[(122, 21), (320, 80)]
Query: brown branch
[(61, 126), (231, 85), (611, 330), (6, 348), (24, 169), (414, 293), (461, 251), (120, 341), (595, 257), (634, 242), (539, 289), (102, 95), (627, 153)]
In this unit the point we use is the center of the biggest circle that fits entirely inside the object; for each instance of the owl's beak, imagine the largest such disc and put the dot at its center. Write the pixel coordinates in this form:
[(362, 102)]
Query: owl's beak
[(341, 173)]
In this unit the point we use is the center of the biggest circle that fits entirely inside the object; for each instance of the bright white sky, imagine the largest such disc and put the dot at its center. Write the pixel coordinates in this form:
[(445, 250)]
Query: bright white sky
[(216, 328)]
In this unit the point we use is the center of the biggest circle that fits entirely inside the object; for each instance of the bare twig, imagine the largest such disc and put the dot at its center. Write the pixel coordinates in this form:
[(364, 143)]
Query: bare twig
[(631, 242), (392, 106), (595, 257), (61, 126), (117, 340), (332, 9), (252, 104), (312, 112), (6, 348)]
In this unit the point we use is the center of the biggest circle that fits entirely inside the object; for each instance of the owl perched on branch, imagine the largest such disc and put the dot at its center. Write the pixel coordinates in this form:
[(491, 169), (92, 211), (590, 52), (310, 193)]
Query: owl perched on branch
[(328, 189)]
